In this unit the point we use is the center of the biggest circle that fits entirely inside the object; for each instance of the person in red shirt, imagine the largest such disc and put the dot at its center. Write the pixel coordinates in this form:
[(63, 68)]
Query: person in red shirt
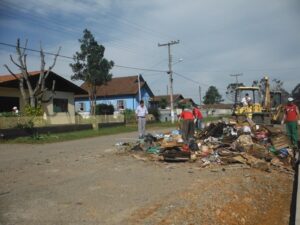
[(291, 117), (188, 126), (198, 116)]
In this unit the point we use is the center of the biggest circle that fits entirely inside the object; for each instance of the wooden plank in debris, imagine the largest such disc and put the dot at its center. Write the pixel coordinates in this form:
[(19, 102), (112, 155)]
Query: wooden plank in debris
[(280, 141), (274, 130)]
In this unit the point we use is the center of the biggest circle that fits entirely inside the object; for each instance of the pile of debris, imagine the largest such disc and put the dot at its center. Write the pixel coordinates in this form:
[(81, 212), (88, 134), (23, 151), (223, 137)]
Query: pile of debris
[(220, 143)]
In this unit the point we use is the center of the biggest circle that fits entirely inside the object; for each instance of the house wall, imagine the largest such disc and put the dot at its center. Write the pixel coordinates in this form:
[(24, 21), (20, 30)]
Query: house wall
[(60, 117), (130, 101), (12, 92), (215, 112), (49, 115)]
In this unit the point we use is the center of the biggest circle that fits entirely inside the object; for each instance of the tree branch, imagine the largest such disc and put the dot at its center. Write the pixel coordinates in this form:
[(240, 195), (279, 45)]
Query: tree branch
[(14, 62), (52, 94), (13, 74), (41, 83), (54, 62), (24, 49)]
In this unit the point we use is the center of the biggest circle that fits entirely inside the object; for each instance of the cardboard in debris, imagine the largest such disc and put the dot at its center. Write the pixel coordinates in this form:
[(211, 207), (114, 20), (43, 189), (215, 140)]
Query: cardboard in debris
[(280, 141)]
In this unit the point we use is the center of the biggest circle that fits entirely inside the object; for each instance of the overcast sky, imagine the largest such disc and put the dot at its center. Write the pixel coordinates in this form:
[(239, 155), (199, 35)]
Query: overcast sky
[(217, 38)]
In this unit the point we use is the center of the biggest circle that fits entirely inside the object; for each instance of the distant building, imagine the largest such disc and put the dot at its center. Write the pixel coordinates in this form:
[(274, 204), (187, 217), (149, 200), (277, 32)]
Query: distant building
[(121, 92), (216, 109), (155, 101)]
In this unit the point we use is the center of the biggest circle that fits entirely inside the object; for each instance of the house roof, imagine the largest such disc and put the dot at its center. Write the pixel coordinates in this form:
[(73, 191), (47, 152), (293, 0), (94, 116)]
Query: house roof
[(119, 86), (217, 106), (188, 100), (176, 97), (61, 84)]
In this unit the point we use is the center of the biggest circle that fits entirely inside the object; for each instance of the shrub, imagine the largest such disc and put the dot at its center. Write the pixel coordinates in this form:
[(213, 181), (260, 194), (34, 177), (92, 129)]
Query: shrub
[(129, 115), (155, 112), (104, 109)]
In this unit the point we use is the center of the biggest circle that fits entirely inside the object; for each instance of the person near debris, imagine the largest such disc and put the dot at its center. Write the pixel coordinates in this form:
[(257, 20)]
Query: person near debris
[(290, 118), (141, 113), (198, 116), (246, 100), (188, 125)]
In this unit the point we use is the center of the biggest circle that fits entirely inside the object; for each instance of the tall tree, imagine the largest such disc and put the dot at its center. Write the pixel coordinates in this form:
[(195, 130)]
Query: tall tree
[(212, 96), (90, 66), (230, 92), (35, 91), (275, 86)]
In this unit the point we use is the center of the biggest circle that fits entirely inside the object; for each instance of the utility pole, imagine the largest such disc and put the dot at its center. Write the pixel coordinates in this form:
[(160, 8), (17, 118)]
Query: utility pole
[(170, 72), (200, 94), (139, 84), (236, 77)]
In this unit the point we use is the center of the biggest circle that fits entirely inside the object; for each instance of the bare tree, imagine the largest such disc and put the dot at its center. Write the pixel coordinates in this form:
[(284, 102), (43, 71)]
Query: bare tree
[(35, 91)]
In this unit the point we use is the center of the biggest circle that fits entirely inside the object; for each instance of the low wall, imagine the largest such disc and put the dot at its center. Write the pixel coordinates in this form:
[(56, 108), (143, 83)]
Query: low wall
[(23, 132), (59, 119)]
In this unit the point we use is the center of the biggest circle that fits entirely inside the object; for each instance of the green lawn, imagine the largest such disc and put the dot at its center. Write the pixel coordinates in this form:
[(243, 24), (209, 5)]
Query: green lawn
[(58, 137)]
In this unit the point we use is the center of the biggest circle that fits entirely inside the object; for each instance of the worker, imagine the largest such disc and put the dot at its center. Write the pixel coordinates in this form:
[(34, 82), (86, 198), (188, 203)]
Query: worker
[(141, 113), (198, 117), (246, 100), (188, 126), (290, 118)]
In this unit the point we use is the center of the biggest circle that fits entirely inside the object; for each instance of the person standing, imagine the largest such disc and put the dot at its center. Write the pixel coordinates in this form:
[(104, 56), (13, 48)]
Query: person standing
[(290, 118), (246, 100), (141, 113), (188, 126), (198, 116)]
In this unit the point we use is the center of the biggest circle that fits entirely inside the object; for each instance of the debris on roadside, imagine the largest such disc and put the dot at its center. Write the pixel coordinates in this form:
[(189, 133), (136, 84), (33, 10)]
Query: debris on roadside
[(222, 143)]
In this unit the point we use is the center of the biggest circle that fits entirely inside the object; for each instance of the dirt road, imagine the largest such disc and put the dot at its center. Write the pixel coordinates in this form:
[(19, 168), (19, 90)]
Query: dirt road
[(85, 182)]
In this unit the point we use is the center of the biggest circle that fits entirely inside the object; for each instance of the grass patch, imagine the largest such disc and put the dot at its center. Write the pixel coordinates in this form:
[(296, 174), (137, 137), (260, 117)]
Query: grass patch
[(58, 137)]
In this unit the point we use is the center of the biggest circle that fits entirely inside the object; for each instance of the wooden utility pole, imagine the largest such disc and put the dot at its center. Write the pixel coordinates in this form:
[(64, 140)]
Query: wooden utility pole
[(170, 72), (200, 95)]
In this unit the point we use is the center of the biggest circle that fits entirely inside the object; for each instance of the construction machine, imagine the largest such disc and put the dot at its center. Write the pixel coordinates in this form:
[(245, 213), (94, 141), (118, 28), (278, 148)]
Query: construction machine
[(264, 108)]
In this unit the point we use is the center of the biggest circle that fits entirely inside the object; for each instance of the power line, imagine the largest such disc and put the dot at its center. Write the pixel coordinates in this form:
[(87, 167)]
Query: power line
[(189, 79), (138, 68), (68, 57)]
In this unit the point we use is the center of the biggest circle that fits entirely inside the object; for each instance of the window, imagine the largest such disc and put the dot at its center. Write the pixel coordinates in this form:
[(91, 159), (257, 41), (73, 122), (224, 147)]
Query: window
[(7, 103), (120, 104), (60, 105)]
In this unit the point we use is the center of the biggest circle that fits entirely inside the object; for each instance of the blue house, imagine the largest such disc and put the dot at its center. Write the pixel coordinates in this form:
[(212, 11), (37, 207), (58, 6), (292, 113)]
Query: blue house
[(121, 92)]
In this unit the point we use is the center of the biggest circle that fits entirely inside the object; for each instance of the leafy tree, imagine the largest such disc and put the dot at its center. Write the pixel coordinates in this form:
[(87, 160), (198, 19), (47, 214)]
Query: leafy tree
[(230, 93), (275, 86), (163, 103), (155, 112), (212, 96), (90, 66)]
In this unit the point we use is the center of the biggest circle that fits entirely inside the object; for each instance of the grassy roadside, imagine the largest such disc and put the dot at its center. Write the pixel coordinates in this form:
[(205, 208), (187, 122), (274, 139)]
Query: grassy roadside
[(59, 137)]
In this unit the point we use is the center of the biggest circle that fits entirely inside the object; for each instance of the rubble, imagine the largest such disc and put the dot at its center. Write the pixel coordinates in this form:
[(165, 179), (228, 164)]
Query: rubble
[(222, 143)]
